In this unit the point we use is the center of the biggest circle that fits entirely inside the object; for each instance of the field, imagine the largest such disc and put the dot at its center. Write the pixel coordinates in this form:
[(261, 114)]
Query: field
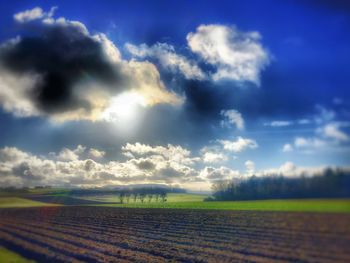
[(9, 256), (57, 227), (192, 201), (180, 201), (6, 202), (102, 234)]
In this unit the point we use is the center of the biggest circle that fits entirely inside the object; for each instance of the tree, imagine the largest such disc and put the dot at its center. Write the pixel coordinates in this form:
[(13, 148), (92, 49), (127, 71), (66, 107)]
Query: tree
[(142, 196), (331, 183), (127, 196), (163, 196), (121, 196), (135, 195), (157, 196)]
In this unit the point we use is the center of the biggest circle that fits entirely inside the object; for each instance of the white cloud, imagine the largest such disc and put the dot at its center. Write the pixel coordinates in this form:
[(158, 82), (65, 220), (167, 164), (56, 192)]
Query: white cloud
[(13, 93), (154, 165), (71, 155), (236, 55), (332, 131), (232, 117), (172, 165), (302, 142), (29, 15), (218, 174), (34, 14), (96, 154), (327, 137), (238, 145), (212, 156), (279, 123), (174, 153), (289, 169), (287, 147), (250, 166), (168, 59)]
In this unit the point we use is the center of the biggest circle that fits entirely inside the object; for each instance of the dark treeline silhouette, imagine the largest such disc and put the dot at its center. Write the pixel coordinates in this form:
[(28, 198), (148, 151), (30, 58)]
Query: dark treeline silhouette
[(332, 183)]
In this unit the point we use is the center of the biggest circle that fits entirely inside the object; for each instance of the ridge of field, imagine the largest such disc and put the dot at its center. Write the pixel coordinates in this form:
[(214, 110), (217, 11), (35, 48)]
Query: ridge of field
[(7, 256), (7, 202)]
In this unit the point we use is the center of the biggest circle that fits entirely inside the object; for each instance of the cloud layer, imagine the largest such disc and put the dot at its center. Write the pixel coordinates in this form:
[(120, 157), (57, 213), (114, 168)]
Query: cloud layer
[(85, 167)]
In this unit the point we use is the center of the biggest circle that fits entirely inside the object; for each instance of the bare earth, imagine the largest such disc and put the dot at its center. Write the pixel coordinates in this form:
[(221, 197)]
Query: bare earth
[(99, 234)]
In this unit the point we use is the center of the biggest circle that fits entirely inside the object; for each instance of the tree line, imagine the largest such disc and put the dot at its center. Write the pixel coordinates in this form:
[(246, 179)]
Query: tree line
[(143, 195), (332, 183)]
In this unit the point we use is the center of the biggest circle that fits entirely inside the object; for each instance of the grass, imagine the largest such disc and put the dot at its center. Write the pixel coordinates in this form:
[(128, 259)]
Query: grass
[(7, 202), (7, 256), (302, 205)]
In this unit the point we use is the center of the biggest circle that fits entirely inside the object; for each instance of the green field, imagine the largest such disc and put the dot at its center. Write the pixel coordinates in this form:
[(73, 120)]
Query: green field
[(193, 201), (171, 198), (342, 206), (6, 202), (7, 256)]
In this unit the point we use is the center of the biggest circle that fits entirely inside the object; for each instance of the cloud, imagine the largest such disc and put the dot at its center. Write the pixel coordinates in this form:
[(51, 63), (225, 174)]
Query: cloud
[(219, 174), (63, 72), (302, 142), (167, 57), (79, 153), (33, 14), (238, 145), (235, 55), (289, 169), (279, 123), (250, 166), (330, 134), (332, 141), (67, 155), (74, 168), (174, 153), (210, 155), (96, 154), (332, 131), (287, 147), (232, 117)]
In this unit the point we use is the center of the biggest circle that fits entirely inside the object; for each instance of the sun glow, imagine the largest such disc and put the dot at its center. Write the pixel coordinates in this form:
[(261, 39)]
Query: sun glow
[(124, 107)]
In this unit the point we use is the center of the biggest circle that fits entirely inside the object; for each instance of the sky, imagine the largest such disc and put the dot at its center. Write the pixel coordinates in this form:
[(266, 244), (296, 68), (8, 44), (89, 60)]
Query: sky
[(185, 93)]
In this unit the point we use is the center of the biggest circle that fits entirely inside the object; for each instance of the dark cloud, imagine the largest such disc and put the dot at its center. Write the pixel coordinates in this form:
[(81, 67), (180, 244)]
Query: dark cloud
[(62, 55), (146, 165), (23, 170)]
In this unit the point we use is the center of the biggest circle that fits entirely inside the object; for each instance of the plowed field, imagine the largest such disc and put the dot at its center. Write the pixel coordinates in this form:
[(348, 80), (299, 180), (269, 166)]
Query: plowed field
[(101, 234)]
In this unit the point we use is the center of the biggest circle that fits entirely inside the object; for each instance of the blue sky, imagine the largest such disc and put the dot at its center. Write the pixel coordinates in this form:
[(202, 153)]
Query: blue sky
[(184, 92)]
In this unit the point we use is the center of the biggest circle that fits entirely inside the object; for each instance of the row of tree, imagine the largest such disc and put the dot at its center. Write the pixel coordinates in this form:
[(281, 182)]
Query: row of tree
[(332, 183), (142, 194)]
